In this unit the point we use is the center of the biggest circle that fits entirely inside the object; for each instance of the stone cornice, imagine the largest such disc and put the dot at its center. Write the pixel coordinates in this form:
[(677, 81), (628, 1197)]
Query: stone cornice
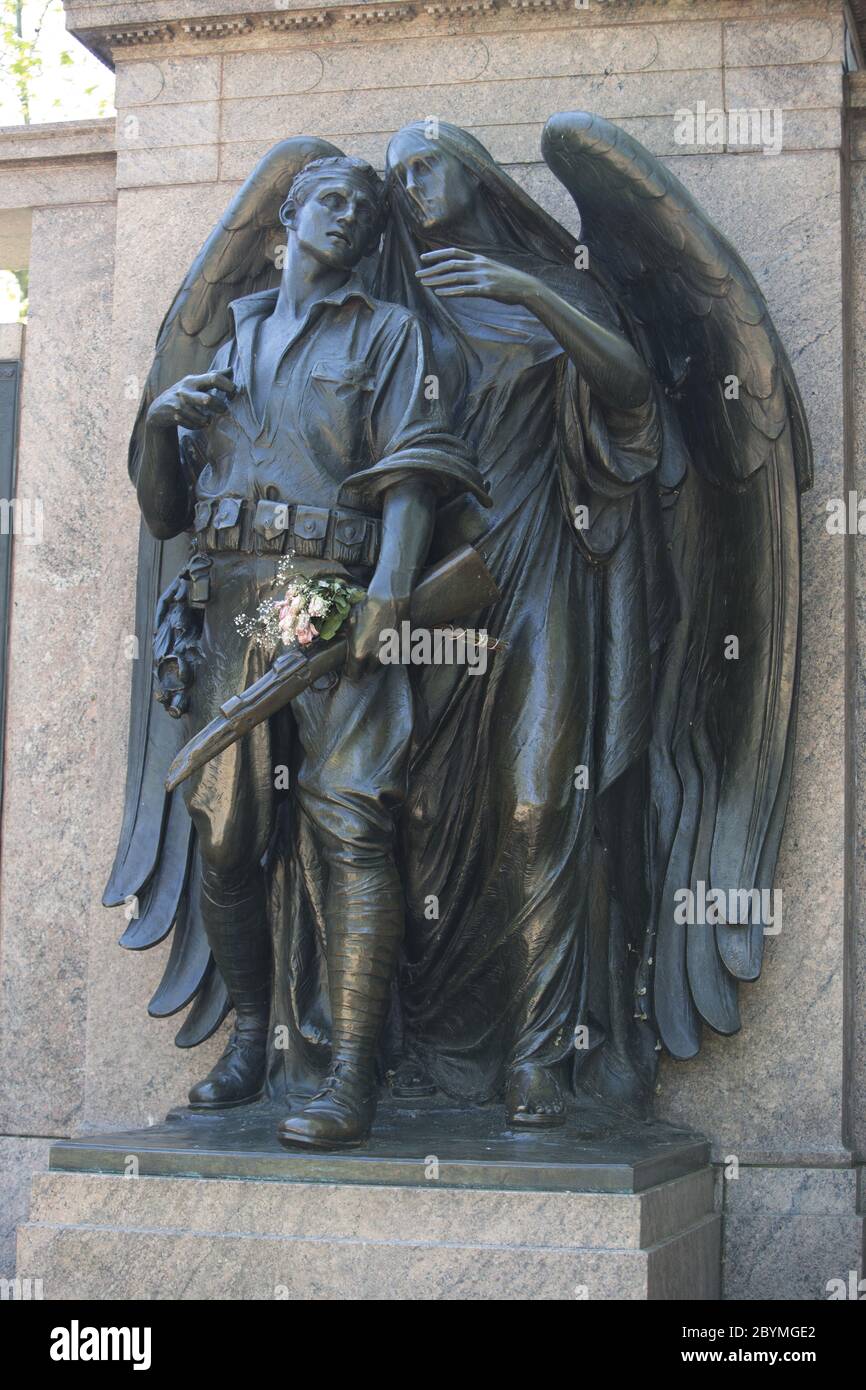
[(292, 17), (74, 141), (106, 26)]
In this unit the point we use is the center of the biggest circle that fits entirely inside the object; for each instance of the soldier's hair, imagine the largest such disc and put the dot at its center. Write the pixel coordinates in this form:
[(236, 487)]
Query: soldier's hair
[(358, 169)]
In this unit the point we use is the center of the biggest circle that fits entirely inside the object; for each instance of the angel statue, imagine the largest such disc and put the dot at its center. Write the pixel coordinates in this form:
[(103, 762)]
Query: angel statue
[(617, 432)]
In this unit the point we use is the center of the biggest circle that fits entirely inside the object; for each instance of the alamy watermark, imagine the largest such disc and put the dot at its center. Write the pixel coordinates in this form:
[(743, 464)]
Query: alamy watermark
[(20, 1290), (77, 1343), (760, 127), (440, 646), (710, 907)]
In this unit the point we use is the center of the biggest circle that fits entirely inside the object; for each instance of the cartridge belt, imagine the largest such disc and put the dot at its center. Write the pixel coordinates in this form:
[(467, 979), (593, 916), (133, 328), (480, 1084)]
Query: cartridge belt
[(277, 528)]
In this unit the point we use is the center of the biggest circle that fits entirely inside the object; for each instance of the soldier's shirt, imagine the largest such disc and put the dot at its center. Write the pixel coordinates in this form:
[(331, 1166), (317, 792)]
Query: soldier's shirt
[(352, 410)]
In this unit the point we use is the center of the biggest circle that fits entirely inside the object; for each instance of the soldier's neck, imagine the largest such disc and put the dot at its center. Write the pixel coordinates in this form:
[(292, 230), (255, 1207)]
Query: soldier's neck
[(304, 281)]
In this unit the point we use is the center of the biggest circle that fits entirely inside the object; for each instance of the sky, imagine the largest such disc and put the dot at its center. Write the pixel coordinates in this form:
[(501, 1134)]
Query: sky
[(77, 87), (64, 91)]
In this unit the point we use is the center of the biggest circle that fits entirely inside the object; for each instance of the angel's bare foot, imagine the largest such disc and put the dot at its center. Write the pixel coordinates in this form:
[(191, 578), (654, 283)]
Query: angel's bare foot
[(410, 1079), (533, 1098)]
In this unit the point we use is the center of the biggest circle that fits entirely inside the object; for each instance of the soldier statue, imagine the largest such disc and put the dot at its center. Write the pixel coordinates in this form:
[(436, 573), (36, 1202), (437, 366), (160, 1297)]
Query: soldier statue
[(469, 886)]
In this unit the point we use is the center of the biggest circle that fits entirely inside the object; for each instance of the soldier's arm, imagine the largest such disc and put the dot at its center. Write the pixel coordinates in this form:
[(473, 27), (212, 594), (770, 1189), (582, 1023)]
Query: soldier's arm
[(406, 430), (163, 490), (408, 511)]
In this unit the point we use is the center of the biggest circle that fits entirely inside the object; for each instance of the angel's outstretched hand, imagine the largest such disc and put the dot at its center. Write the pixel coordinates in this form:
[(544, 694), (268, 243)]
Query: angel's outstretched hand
[(192, 401), (451, 271)]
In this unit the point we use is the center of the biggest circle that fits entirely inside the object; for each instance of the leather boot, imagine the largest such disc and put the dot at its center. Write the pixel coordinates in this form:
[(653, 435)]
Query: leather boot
[(362, 956), (340, 1115), (234, 918), (238, 1076)]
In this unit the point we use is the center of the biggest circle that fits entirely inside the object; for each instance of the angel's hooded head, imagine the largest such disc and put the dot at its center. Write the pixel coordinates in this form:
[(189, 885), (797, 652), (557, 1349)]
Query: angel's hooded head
[(336, 207), (438, 187), (445, 188)]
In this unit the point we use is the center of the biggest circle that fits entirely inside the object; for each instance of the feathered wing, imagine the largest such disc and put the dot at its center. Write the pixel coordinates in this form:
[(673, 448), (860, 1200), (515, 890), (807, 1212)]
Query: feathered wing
[(724, 708), (156, 865)]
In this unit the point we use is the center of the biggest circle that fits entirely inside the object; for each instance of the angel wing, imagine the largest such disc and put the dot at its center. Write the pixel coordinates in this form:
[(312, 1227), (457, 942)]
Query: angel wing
[(724, 710), (155, 869)]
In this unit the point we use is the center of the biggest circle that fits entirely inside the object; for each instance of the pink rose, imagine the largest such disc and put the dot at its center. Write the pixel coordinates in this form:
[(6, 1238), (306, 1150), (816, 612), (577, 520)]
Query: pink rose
[(290, 609)]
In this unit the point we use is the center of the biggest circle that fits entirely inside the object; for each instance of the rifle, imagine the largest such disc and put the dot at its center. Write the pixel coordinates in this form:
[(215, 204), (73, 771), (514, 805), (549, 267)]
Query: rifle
[(456, 587)]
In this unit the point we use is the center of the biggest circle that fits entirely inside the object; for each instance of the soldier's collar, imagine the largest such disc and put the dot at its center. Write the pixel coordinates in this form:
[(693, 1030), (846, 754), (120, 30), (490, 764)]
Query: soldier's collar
[(261, 304), (353, 289)]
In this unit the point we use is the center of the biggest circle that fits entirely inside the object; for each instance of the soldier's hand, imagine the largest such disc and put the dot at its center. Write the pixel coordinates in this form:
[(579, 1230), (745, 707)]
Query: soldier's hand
[(193, 401), (369, 620)]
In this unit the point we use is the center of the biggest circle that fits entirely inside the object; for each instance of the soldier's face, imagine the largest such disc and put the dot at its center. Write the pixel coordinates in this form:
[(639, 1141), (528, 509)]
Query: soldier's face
[(337, 223), (439, 190)]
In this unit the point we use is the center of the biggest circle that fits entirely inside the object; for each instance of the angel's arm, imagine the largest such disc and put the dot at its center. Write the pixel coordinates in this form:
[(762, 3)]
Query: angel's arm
[(605, 359)]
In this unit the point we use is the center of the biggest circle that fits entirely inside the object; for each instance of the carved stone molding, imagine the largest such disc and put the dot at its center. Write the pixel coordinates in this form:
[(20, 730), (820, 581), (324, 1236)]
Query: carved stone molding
[(542, 4), (300, 20), (216, 28), (448, 9), (376, 14), (284, 20), (296, 16), (127, 38), (289, 20)]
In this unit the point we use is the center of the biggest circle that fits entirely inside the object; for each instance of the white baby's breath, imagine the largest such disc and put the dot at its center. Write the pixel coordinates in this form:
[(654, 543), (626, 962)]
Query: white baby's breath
[(288, 619)]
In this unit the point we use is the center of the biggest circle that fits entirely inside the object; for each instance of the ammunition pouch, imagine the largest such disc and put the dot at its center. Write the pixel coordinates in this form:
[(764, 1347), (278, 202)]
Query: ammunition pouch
[(271, 527)]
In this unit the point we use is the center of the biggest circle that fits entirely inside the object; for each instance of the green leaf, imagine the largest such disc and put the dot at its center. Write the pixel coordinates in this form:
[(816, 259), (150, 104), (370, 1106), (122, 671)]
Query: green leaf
[(330, 626)]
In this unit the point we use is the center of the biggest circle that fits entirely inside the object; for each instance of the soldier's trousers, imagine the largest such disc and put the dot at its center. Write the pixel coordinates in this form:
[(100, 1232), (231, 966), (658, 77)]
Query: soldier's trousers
[(348, 748)]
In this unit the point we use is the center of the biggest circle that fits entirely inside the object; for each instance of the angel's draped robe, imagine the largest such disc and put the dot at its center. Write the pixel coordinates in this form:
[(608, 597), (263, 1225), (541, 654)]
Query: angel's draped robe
[(501, 825)]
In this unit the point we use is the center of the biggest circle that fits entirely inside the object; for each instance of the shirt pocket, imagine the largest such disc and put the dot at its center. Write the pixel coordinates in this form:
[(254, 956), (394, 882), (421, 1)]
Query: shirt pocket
[(334, 404)]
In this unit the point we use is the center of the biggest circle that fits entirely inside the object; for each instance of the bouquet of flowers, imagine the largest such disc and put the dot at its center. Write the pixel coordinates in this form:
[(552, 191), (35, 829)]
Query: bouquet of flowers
[(308, 608)]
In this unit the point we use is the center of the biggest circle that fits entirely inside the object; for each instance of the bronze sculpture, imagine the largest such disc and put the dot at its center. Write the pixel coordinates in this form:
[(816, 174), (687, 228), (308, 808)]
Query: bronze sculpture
[(638, 428)]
